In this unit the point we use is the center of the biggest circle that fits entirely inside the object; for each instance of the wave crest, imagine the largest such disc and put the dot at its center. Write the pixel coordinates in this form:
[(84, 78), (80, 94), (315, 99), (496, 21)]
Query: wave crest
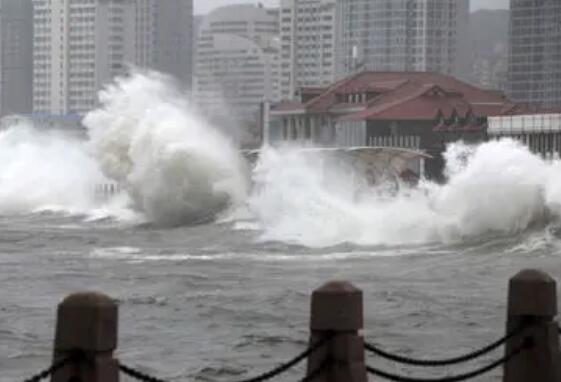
[(177, 168)]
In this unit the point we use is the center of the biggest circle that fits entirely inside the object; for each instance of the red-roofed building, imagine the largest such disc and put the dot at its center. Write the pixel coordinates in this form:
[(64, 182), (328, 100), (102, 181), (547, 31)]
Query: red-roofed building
[(416, 110)]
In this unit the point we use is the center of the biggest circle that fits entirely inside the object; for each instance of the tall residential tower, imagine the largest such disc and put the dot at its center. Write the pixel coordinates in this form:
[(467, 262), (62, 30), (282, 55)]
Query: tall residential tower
[(82, 45), (405, 35), (164, 37), (309, 34), (79, 46), (16, 56), (534, 67)]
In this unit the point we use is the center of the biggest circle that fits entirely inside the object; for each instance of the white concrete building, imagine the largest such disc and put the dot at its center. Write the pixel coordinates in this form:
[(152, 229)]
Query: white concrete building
[(237, 66), (405, 35), (164, 37), (16, 56), (79, 46), (309, 34)]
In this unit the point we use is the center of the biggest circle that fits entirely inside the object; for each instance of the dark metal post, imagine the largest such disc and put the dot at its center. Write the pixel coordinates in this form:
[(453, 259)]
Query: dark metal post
[(532, 299), (337, 310), (87, 322)]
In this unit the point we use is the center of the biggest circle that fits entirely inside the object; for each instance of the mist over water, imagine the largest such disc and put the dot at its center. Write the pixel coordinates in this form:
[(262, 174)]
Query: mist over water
[(42, 170)]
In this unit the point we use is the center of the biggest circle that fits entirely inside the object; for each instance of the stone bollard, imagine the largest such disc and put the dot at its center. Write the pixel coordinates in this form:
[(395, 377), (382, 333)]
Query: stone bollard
[(337, 310), (87, 322), (532, 299)]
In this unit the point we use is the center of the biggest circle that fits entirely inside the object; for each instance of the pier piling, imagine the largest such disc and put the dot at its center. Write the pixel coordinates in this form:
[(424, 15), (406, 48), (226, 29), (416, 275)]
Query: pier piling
[(532, 302), (86, 324), (86, 338), (337, 314)]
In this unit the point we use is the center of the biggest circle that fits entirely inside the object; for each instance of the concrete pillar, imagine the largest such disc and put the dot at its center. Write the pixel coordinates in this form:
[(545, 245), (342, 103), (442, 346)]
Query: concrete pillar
[(337, 310), (314, 129), (87, 322), (532, 300)]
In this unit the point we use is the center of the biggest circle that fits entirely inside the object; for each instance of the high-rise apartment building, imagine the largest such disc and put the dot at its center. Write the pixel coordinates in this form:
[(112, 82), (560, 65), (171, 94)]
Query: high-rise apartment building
[(164, 37), (253, 22), (309, 34), (16, 56), (405, 35), (237, 64), (325, 40), (534, 68), (79, 46)]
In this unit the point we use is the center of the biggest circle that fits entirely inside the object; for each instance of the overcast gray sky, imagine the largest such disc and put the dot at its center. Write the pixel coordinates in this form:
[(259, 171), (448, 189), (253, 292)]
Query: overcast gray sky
[(204, 6)]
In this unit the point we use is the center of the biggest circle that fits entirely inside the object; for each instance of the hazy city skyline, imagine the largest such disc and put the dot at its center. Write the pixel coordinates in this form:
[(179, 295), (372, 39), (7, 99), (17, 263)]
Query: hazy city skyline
[(205, 6)]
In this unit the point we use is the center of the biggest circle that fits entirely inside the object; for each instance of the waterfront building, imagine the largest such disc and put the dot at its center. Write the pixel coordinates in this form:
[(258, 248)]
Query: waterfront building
[(413, 110)]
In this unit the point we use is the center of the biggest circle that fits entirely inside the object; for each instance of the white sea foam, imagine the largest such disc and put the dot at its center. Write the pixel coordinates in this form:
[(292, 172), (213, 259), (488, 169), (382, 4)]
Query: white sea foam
[(44, 170), (176, 168), (496, 188), (172, 167)]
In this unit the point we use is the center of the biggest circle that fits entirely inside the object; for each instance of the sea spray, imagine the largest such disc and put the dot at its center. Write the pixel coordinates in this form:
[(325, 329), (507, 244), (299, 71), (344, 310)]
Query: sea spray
[(177, 168), (496, 188), (499, 191), (41, 169)]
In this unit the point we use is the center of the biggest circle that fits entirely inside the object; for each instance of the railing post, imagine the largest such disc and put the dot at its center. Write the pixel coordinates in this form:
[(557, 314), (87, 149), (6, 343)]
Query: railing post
[(337, 310), (87, 322), (532, 299)]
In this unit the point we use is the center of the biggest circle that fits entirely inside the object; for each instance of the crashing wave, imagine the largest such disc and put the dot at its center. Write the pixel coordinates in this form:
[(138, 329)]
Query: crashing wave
[(176, 168), (496, 188)]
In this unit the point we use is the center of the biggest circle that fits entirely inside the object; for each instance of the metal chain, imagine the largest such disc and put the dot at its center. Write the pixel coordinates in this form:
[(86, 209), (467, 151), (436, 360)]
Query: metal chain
[(140, 376), (317, 371), (286, 366), (443, 362), (75, 356), (456, 378)]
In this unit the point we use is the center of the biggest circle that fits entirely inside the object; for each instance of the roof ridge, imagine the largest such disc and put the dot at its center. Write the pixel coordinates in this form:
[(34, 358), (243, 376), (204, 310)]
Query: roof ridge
[(423, 88), (334, 87)]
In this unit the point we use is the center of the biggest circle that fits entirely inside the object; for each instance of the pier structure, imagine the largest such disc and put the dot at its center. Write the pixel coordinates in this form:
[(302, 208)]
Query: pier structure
[(375, 163), (541, 133), (104, 191)]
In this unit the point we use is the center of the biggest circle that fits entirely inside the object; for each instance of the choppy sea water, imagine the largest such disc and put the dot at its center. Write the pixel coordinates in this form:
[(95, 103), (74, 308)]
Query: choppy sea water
[(215, 303), (226, 300)]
